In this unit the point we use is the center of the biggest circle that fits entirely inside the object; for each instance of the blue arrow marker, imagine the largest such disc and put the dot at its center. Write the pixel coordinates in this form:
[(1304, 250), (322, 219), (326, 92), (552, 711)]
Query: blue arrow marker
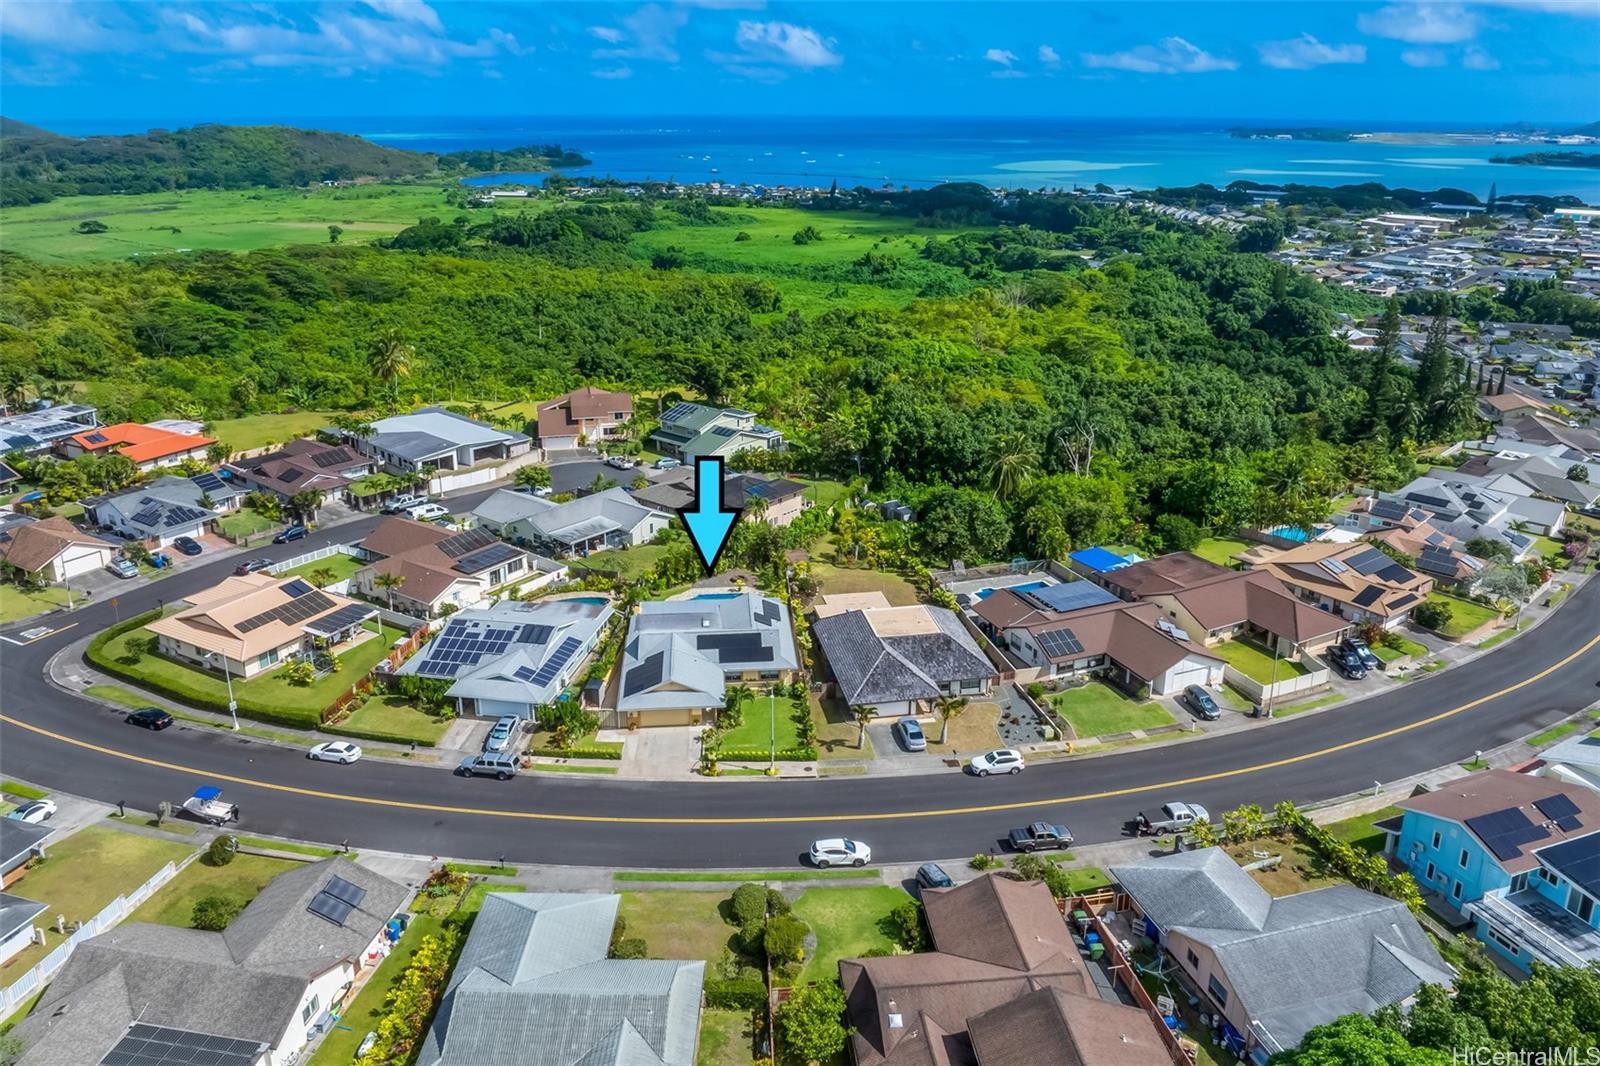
[(709, 520)]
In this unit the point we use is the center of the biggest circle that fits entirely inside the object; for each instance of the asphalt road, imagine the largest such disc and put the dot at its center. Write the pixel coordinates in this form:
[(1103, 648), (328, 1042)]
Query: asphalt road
[(58, 740)]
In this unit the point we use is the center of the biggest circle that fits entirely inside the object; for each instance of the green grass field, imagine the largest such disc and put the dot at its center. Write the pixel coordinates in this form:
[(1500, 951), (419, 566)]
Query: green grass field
[(258, 431), (836, 579), (342, 566), (1250, 659), (17, 604), (1359, 830), (1465, 616), (676, 924), (1220, 550), (1096, 709), (392, 718), (848, 922), (756, 731)]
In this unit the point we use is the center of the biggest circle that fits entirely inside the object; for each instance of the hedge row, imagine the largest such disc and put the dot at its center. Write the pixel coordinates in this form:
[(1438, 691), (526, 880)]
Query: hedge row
[(755, 755), (576, 753), (735, 994)]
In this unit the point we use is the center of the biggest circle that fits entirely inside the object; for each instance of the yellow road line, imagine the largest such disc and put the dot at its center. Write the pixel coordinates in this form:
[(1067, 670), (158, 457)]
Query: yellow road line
[(439, 808)]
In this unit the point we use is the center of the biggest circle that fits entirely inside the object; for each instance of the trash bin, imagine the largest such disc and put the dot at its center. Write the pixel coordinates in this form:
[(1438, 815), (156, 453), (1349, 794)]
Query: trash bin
[(1097, 951), (1256, 711)]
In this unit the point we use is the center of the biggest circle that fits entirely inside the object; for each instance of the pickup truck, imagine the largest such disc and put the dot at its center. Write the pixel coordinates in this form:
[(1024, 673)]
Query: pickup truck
[(403, 503), (208, 805), (1170, 818), (1038, 836)]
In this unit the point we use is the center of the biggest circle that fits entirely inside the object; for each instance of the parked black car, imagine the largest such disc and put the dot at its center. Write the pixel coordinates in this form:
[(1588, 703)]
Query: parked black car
[(1360, 649), (251, 566), (187, 545), (932, 875), (149, 718), (1201, 703), (292, 533), (1347, 662)]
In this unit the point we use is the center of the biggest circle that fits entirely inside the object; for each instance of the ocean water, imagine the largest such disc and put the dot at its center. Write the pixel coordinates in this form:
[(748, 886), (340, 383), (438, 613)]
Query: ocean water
[(1014, 153)]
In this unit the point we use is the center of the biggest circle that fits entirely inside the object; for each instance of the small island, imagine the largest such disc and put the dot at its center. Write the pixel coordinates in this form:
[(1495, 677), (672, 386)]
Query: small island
[(1303, 133), (1590, 160)]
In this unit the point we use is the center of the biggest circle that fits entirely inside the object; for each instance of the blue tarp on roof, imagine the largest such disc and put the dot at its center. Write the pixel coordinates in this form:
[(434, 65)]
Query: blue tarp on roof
[(1100, 560)]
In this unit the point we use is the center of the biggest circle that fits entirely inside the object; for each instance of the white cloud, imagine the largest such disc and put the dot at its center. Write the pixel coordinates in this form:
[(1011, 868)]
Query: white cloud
[(783, 44), (1305, 51), (1578, 8), (408, 11), (1000, 56), (1423, 57), (61, 26), (1421, 23), (1476, 58), (649, 33), (613, 73), (1048, 55), (609, 34), (1172, 55)]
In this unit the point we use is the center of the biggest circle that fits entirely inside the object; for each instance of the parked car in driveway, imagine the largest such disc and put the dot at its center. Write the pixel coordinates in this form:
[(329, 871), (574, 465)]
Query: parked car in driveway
[(999, 761), (291, 533), (622, 462), (1347, 662), (339, 751), (1201, 703), (489, 764), (1040, 836), (149, 718), (123, 568), (908, 731), (932, 875), (667, 464), (504, 733), (187, 545), (1363, 651), (33, 813), (251, 566), (839, 851)]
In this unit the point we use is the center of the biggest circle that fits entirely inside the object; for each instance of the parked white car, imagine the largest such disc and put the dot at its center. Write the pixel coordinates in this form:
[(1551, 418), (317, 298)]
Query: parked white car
[(622, 462), (839, 851), (427, 512), (339, 751), (999, 761), (35, 812)]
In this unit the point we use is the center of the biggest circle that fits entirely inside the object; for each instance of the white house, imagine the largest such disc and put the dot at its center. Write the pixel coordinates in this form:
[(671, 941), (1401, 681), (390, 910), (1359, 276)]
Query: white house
[(609, 519)]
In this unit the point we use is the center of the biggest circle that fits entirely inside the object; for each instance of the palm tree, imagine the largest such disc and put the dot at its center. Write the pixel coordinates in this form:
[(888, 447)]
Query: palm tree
[(948, 707), (863, 714), (1013, 463), (322, 577), (389, 357), (305, 503), (389, 582)]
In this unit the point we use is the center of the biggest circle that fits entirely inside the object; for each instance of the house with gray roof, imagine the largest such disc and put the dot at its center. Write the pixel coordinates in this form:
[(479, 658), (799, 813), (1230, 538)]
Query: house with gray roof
[(16, 923), (898, 660), (513, 657), (680, 655), (460, 450), (1274, 968), (165, 509), (268, 981), (777, 501), (691, 430), (38, 430), (533, 987), (609, 519)]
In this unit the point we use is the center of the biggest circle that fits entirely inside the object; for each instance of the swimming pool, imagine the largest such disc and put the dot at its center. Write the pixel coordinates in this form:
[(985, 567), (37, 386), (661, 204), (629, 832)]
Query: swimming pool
[(984, 594), (1293, 533), (719, 595), (587, 599)]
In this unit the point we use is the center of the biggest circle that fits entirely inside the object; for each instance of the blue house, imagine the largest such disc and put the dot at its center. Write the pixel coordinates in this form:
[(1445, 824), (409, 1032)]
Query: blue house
[(1518, 856)]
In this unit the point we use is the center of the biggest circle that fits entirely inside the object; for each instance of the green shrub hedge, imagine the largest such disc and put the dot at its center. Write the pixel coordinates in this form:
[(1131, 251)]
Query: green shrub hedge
[(576, 753), (755, 755), (735, 994)]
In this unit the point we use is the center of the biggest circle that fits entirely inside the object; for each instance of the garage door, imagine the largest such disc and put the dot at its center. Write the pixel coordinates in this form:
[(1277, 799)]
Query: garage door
[(1183, 675)]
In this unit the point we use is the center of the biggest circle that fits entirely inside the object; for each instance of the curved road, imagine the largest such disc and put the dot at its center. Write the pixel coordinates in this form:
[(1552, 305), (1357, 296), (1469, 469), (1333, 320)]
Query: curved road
[(82, 747)]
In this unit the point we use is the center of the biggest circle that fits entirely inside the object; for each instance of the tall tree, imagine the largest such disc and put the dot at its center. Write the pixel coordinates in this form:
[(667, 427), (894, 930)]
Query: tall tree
[(1013, 463), (389, 357), (1436, 373)]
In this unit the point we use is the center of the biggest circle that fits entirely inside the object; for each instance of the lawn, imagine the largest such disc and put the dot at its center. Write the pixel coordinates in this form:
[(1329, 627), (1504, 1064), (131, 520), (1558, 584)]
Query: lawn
[(973, 730), (1256, 662), (837, 731), (848, 922), (1292, 709), (298, 849), (17, 604), (726, 1038), (835, 579), (1097, 709), (128, 698), (629, 562), (1220, 550), (1297, 873), (740, 876), (756, 731), (240, 881), (679, 925), (1402, 647), (1465, 616), (1359, 830), (824, 493), (245, 523), (81, 875), (1553, 734), (270, 697), (343, 567), (392, 718), (260, 431)]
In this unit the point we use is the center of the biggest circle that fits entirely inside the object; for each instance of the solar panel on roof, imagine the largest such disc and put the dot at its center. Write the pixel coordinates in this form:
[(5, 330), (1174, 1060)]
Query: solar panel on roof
[(331, 458), (677, 411), (1395, 573), (723, 431), (343, 618), (735, 647), (289, 474), (156, 1045), (643, 676), (329, 908), (437, 668), (1059, 642), (1556, 806), (533, 633), (1505, 831), (1568, 825), (147, 517), (1404, 601), (1369, 561), (466, 541), (296, 610), (1576, 860), (523, 673), (552, 666), (484, 559), (1070, 596), (347, 891), (1332, 566), (1366, 596), (96, 438), (296, 588), (769, 613)]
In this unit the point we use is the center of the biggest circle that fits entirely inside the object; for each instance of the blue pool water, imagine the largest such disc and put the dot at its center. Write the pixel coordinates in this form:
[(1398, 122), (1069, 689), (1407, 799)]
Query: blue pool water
[(984, 594), (719, 595), (1291, 533), (587, 599)]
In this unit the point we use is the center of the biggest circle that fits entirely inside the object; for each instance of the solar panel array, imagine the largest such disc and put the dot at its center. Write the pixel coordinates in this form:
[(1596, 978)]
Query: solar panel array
[(735, 647), (299, 609), (1368, 595), (296, 587), (1505, 831), (467, 541), (552, 666), (481, 560), (1332, 566), (1578, 861), (96, 438), (770, 612), (157, 1045), (723, 431), (1071, 596), (209, 482), (1561, 810), (1404, 601), (344, 617), (534, 633), (1396, 574), (1437, 561), (463, 643), (336, 900), (289, 474), (332, 458), (1059, 642), (1369, 561), (677, 411), (643, 676)]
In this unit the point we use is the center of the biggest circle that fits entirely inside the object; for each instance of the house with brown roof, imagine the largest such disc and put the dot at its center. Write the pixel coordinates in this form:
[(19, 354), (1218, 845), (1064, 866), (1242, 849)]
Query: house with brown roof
[(51, 549), (582, 416), (1233, 603), (149, 447), (253, 622), (303, 465), (437, 566), (1509, 405), (1005, 985), (777, 501), (1357, 581)]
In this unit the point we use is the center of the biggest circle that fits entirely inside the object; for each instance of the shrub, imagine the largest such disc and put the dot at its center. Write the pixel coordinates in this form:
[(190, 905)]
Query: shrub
[(741, 237), (1177, 532), (576, 753), (812, 1021), (213, 913), (1432, 614), (785, 938), (752, 903), (222, 850), (909, 928), (981, 861), (737, 994)]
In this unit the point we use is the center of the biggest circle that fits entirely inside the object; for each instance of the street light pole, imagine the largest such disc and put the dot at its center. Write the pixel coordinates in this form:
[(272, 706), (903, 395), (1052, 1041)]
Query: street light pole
[(772, 728), (233, 706)]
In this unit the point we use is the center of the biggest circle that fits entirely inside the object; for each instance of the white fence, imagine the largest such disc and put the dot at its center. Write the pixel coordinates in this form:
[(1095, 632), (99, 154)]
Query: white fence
[(20, 990), (319, 554), (1288, 686)]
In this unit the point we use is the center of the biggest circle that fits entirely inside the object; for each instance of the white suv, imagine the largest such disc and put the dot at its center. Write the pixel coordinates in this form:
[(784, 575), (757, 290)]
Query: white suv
[(839, 851), (999, 761)]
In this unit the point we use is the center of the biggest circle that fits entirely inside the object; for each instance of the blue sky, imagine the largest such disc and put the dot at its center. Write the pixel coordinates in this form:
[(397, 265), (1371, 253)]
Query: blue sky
[(172, 63)]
